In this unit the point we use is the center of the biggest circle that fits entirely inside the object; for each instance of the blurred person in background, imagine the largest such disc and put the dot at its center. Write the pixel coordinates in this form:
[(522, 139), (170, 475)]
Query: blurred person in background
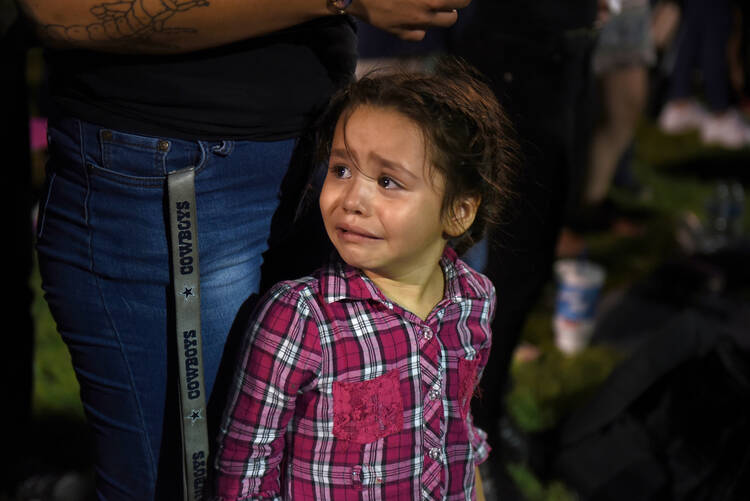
[(623, 54), (620, 64), (537, 57), (702, 44)]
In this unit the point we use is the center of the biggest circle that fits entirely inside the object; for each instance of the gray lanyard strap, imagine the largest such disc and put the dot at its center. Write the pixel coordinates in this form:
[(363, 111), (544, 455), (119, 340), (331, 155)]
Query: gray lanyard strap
[(185, 273)]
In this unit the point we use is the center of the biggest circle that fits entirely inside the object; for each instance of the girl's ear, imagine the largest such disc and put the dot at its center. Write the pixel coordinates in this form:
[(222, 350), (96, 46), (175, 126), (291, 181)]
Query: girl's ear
[(462, 216)]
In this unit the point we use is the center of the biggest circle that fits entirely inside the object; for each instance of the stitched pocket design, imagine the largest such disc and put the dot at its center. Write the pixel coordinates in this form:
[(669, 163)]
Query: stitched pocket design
[(368, 410), (467, 379)]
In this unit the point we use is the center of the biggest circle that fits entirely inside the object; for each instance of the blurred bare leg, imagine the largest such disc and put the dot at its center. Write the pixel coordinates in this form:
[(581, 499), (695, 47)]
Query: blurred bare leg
[(623, 96)]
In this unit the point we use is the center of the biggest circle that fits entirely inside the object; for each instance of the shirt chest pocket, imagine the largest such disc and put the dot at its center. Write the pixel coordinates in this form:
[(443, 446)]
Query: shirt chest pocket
[(467, 381), (365, 411)]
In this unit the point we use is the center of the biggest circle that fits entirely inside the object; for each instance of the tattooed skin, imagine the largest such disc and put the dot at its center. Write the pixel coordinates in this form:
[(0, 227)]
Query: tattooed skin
[(126, 21)]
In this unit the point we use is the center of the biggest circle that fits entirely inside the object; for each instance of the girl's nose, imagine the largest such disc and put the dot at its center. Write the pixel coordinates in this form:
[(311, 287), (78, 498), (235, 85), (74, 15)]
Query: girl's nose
[(356, 198)]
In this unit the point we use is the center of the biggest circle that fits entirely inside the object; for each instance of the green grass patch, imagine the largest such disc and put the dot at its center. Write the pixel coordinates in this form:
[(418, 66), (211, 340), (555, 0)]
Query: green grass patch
[(548, 388), (56, 390), (533, 490)]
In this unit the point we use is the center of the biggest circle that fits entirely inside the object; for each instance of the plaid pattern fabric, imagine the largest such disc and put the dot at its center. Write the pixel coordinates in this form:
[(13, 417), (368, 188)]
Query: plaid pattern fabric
[(341, 394)]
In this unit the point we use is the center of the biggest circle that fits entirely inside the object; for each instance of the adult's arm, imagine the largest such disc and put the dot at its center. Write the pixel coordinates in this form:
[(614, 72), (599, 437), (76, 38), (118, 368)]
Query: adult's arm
[(175, 26)]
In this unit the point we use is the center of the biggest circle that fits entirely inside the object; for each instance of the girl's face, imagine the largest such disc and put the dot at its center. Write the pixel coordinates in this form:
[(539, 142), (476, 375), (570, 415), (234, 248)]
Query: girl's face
[(381, 202)]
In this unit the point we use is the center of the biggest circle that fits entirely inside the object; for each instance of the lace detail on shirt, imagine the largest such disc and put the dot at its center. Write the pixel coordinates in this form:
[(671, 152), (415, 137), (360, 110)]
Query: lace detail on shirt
[(366, 411), (467, 379)]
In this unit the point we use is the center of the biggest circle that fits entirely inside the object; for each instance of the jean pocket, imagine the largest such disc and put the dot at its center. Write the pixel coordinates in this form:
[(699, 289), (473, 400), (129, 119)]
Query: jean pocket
[(366, 411), (130, 158)]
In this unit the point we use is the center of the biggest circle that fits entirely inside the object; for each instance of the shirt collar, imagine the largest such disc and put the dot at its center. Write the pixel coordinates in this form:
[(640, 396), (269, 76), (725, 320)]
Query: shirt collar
[(340, 282)]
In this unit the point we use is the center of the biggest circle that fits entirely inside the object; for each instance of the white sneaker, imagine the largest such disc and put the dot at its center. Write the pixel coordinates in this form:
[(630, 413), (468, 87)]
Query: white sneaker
[(727, 129), (676, 118)]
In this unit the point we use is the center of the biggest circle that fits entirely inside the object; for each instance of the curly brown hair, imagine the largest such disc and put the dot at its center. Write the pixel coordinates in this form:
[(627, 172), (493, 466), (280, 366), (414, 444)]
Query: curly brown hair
[(469, 139)]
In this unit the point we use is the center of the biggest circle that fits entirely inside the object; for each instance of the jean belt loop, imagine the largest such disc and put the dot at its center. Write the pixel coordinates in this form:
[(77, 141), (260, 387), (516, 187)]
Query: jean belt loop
[(224, 148), (186, 281)]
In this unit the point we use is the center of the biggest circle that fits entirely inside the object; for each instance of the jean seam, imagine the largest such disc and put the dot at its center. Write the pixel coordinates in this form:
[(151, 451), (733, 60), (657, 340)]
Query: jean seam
[(141, 182), (82, 150), (129, 144), (141, 418), (204, 158), (42, 216)]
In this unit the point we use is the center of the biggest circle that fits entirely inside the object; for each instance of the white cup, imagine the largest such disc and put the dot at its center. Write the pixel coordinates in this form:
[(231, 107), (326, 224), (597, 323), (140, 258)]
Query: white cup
[(579, 286)]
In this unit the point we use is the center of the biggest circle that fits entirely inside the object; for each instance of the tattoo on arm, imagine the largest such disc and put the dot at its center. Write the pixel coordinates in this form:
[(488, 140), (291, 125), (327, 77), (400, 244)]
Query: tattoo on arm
[(126, 23)]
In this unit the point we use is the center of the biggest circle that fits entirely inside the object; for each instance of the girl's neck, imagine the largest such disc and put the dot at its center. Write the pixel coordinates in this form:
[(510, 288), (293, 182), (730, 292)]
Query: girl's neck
[(419, 292)]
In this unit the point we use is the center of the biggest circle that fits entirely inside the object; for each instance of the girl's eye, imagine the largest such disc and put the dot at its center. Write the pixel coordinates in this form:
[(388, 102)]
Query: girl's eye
[(387, 182), (340, 171)]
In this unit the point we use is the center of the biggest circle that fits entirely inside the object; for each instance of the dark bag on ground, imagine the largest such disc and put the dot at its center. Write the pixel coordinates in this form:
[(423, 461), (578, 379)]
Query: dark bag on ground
[(671, 423)]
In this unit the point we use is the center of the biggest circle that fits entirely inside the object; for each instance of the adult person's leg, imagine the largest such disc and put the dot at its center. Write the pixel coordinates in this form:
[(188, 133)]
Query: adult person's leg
[(105, 263), (623, 96), (540, 79), (723, 125), (689, 40), (703, 43), (716, 18), (681, 111), (623, 52), (521, 249)]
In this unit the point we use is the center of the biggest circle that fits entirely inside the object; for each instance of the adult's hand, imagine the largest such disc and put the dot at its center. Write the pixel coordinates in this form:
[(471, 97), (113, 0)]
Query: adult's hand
[(408, 19), (175, 26)]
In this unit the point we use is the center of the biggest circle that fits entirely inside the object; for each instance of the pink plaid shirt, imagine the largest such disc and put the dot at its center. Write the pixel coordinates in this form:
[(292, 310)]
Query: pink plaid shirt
[(342, 394)]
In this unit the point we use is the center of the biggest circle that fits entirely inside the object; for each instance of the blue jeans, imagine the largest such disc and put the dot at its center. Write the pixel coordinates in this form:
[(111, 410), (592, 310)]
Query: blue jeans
[(105, 264)]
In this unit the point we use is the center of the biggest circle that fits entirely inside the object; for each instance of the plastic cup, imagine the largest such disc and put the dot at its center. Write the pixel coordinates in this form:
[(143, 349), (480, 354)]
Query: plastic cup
[(579, 286)]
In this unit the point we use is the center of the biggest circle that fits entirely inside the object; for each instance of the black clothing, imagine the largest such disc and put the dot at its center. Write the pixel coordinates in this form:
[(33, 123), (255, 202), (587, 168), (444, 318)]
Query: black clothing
[(673, 420), (375, 42), (260, 89), (536, 56), (17, 367)]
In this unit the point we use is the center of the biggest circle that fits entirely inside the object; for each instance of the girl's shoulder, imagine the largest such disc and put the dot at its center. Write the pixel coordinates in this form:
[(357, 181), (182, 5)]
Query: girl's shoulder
[(468, 281), (299, 288), (314, 288)]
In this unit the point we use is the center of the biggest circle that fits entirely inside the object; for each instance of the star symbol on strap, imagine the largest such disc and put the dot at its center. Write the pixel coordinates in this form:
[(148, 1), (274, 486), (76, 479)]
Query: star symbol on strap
[(188, 292), (195, 415)]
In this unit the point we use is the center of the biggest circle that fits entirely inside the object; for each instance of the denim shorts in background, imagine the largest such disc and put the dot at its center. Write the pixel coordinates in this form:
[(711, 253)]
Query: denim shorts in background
[(625, 39), (104, 258)]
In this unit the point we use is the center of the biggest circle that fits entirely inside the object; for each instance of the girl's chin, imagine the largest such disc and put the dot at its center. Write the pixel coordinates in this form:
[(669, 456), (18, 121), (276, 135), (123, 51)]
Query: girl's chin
[(354, 259)]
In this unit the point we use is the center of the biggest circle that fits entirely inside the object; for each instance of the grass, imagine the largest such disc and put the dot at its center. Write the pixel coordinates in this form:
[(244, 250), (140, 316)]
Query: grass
[(533, 490), (552, 385)]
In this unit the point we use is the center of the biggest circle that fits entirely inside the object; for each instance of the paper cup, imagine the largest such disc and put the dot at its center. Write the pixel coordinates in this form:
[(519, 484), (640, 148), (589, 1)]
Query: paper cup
[(579, 285)]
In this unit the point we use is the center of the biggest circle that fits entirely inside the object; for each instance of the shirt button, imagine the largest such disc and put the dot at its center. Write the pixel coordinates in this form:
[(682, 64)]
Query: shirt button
[(427, 333), (435, 453), (434, 394)]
